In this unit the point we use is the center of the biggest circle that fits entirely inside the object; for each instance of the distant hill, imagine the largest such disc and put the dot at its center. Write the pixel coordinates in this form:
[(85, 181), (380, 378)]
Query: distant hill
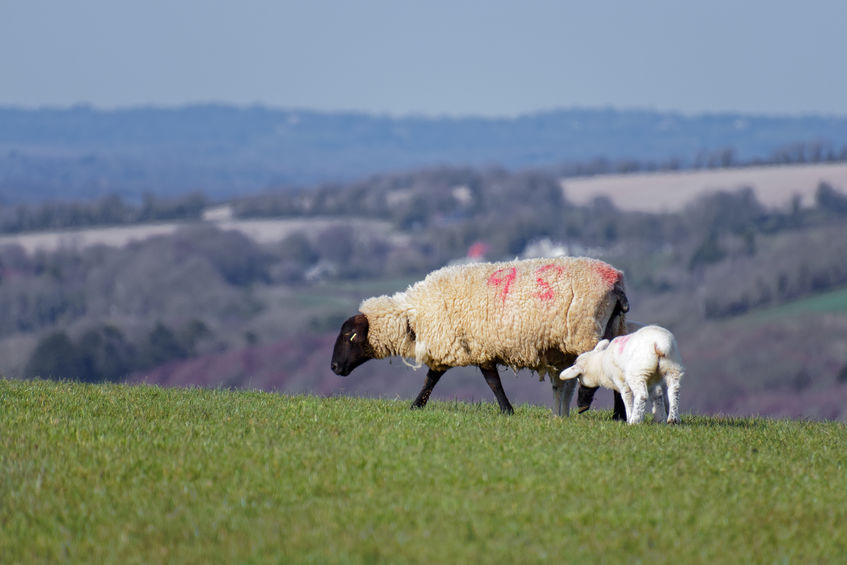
[(665, 191), (224, 151)]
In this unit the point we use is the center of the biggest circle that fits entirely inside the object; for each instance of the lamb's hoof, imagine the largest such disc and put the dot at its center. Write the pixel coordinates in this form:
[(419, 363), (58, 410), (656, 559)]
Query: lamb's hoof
[(673, 421)]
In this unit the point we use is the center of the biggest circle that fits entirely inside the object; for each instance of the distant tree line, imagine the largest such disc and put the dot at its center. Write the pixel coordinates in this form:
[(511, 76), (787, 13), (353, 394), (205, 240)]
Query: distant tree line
[(104, 353), (106, 211), (376, 196), (812, 152)]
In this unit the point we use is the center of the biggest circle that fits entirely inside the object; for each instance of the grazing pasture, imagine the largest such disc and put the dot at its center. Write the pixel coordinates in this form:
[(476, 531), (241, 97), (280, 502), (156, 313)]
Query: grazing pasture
[(117, 474), (671, 191)]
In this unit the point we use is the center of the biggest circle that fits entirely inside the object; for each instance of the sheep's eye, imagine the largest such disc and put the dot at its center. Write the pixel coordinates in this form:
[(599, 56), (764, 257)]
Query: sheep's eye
[(352, 337)]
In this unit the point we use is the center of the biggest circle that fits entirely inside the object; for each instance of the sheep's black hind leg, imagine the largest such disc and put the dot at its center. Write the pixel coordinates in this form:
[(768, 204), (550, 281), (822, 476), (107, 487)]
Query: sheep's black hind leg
[(432, 377), (492, 377), (620, 408)]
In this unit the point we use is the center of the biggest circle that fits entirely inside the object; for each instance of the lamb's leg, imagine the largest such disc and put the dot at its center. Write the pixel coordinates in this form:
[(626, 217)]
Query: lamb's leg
[(432, 377), (657, 401), (614, 323), (626, 398), (492, 377), (639, 402), (562, 395), (673, 400)]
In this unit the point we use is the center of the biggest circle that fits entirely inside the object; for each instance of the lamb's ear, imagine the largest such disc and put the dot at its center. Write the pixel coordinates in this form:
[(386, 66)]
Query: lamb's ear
[(570, 373), (601, 345)]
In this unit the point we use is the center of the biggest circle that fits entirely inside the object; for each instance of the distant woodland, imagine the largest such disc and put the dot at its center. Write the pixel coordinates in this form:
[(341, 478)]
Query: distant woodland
[(103, 313)]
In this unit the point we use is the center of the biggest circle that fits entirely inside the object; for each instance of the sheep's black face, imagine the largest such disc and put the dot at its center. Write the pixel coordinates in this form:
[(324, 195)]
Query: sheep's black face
[(351, 348)]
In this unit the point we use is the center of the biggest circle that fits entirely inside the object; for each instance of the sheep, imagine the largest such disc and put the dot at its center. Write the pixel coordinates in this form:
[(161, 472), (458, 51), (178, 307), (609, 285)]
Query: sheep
[(636, 365), (537, 314)]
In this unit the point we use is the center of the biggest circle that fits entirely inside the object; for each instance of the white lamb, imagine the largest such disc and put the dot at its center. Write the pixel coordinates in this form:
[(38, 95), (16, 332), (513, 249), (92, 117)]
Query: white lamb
[(636, 365)]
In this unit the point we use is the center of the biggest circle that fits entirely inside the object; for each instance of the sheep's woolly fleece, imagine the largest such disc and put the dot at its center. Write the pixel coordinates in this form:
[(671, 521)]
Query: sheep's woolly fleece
[(537, 314)]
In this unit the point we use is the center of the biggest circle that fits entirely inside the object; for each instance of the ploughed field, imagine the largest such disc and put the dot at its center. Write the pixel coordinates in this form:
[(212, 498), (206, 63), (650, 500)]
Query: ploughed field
[(116, 473)]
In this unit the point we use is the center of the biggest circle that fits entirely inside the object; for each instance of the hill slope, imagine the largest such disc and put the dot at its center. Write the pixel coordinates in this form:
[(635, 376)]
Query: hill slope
[(671, 191), (114, 474)]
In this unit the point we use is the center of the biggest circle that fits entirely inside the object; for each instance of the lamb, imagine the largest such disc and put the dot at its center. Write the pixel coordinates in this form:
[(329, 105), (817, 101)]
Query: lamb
[(586, 394), (636, 365), (538, 314)]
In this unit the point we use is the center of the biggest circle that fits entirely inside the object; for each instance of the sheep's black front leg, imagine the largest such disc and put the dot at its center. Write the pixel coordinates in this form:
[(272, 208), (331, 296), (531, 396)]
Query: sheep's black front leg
[(492, 377), (432, 377)]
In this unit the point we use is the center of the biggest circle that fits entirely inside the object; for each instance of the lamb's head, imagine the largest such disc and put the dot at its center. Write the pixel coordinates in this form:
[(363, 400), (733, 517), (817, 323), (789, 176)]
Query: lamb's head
[(586, 368), (352, 347)]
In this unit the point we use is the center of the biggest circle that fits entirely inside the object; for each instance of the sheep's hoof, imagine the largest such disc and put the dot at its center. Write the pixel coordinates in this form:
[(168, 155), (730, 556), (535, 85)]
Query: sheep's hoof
[(673, 421)]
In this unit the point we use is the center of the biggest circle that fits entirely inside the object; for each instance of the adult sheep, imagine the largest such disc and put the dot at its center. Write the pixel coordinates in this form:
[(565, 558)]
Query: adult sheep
[(537, 314)]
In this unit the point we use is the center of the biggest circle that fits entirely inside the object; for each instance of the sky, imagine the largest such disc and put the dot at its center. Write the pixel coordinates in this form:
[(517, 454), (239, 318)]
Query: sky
[(432, 57)]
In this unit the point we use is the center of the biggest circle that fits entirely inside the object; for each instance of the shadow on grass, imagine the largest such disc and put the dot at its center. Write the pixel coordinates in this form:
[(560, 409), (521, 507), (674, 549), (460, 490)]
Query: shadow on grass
[(688, 420), (525, 410)]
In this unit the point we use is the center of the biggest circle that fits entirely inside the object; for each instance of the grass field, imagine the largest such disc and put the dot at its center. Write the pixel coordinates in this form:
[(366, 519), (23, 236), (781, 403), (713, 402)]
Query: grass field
[(671, 191), (832, 302), (119, 474)]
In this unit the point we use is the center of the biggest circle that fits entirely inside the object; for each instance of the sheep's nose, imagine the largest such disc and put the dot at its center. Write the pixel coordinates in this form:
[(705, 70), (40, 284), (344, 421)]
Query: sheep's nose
[(334, 367)]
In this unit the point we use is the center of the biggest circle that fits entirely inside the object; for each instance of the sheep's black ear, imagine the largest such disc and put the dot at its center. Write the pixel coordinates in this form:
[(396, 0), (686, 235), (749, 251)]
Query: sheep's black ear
[(359, 326)]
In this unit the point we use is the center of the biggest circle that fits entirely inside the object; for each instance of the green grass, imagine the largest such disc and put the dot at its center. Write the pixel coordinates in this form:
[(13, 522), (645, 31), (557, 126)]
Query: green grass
[(118, 474), (825, 303)]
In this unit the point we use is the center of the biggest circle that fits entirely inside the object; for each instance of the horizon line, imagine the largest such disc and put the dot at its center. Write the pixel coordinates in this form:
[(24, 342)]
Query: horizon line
[(417, 115)]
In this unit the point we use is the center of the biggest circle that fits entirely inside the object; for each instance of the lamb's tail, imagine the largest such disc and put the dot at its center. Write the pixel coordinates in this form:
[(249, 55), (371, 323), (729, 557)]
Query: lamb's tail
[(668, 359), (662, 349)]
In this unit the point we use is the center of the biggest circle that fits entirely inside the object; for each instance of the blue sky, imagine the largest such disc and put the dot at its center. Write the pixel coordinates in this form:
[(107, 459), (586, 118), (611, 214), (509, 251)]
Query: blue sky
[(434, 57)]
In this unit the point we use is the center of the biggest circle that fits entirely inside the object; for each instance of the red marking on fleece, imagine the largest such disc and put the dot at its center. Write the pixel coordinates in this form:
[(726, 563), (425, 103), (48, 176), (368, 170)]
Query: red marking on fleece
[(547, 292), (506, 281), (620, 342), (608, 273)]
